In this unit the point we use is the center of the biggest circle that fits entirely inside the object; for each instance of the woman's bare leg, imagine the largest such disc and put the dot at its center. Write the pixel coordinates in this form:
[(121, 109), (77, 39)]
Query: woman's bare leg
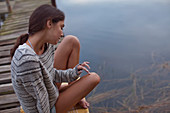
[(67, 56), (67, 53), (75, 92)]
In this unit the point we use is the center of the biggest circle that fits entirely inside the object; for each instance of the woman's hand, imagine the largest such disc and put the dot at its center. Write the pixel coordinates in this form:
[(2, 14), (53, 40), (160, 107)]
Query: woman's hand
[(83, 66)]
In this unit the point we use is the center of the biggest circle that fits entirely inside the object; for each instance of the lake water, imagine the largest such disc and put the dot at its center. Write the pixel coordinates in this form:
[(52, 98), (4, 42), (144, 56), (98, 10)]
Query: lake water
[(128, 44)]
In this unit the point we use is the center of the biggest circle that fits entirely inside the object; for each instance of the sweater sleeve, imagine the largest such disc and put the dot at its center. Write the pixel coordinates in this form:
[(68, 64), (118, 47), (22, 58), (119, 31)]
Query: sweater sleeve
[(32, 80), (68, 75)]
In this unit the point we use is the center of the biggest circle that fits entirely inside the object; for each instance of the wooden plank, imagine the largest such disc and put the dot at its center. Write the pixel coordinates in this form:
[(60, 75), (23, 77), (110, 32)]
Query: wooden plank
[(12, 110), (25, 19), (8, 42), (7, 101), (9, 105), (6, 47), (14, 24), (6, 89), (5, 61), (13, 31), (16, 17), (2, 75), (4, 54), (11, 36), (14, 27), (3, 6), (5, 68), (5, 78)]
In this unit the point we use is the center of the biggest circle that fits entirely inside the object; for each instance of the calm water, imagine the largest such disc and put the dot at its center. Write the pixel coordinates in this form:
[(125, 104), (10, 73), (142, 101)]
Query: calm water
[(125, 40)]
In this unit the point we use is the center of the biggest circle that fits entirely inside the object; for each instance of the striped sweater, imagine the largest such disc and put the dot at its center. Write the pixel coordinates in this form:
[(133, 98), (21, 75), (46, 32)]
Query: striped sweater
[(34, 78)]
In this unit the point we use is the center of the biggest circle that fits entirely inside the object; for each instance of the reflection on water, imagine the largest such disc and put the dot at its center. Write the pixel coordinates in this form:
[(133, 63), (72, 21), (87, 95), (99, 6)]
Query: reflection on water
[(127, 43)]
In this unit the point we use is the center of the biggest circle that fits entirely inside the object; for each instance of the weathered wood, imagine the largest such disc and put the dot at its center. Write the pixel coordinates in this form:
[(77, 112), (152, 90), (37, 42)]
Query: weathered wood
[(8, 42), (6, 89), (3, 6), (22, 18), (5, 61), (11, 36), (4, 54), (15, 23), (17, 16), (7, 101), (12, 110), (14, 31), (2, 75), (5, 48), (5, 78), (4, 69), (13, 28)]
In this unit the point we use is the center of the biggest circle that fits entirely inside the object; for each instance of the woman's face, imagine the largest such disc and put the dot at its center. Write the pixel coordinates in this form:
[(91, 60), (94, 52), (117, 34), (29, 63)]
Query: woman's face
[(56, 32)]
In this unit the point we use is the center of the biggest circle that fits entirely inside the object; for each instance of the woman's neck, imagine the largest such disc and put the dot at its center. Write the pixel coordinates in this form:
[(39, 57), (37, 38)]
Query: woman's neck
[(37, 43)]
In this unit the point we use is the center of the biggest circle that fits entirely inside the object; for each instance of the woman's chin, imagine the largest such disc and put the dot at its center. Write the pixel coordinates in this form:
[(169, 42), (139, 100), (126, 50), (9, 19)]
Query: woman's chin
[(55, 42)]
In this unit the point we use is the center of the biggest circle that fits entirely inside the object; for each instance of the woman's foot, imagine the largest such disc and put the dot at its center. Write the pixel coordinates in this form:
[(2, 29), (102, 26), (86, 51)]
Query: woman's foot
[(83, 103)]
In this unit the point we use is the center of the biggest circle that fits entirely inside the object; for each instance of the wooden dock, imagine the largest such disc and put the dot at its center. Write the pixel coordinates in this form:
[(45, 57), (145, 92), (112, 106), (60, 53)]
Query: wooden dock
[(4, 8), (15, 24)]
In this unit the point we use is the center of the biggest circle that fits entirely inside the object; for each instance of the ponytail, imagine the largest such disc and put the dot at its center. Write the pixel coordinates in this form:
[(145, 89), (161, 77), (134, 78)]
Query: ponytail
[(20, 40)]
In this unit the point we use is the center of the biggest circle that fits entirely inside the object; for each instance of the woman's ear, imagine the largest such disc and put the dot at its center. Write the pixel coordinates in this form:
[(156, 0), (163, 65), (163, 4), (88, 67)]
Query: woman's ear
[(49, 24)]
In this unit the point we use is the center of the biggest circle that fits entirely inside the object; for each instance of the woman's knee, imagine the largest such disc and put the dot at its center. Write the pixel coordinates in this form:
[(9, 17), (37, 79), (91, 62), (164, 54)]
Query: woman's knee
[(94, 78), (73, 40)]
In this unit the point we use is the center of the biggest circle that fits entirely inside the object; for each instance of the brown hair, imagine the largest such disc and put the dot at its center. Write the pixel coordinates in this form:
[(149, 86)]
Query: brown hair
[(37, 22)]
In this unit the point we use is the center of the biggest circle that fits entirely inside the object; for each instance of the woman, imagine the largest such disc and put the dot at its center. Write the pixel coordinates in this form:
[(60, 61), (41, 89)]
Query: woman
[(35, 60)]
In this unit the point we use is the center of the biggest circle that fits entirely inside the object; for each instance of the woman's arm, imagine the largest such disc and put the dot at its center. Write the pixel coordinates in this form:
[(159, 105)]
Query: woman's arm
[(38, 91), (33, 95), (70, 75)]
